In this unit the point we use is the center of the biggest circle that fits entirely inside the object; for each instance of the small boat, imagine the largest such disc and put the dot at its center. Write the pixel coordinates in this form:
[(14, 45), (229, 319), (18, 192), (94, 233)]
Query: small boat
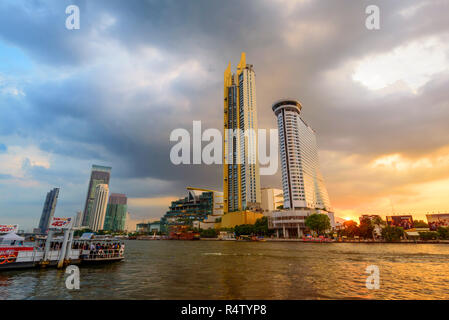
[(261, 239), (95, 251), (318, 239), (189, 235), (226, 236)]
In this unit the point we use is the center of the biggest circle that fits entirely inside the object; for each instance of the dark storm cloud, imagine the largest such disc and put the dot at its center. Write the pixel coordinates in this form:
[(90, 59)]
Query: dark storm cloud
[(88, 111), (37, 27), (413, 125)]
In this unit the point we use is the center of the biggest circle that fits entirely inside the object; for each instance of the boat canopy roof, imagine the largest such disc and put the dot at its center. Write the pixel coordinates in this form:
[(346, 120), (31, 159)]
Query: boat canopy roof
[(87, 236), (11, 236), (99, 240)]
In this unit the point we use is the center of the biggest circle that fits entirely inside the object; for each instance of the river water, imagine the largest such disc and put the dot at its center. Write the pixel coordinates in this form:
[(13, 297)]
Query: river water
[(247, 270)]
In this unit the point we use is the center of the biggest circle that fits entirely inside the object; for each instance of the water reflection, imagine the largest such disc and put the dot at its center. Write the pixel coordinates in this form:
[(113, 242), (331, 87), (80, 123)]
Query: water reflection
[(247, 270)]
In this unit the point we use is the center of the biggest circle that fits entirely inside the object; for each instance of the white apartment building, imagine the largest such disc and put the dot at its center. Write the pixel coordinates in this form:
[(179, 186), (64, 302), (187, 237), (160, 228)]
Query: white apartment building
[(96, 221), (271, 199), (302, 183)]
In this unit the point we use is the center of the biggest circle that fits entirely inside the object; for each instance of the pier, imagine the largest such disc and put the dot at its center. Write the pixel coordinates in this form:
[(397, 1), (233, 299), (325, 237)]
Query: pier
[(58, 251)]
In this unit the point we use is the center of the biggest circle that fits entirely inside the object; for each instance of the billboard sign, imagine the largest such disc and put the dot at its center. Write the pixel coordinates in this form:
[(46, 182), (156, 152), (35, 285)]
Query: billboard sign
[(6, 228), (405, 222), (60, 223), (9, 254), (437, 220)]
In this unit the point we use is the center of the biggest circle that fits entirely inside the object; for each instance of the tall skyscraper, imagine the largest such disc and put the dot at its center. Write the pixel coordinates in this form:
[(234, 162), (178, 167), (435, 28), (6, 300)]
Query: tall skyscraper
[(128, 222), (98, 212), (241, 180), (99, 175), (302, 182), (49, 210), (116, 213), (78, 219)]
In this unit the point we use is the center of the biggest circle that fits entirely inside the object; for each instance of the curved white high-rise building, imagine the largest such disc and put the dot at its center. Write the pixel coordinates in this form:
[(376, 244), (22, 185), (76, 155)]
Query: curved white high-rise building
[(302, 182), (98, 212)]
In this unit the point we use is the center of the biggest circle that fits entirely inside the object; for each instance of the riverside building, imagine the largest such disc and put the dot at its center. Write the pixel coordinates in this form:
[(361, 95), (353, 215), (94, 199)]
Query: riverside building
[(302, 182), (78, 219), (272, 199), (98, 213), (241, 180), (49, 210), (200, 209), (99, 175), (149, 227), (116, 211)]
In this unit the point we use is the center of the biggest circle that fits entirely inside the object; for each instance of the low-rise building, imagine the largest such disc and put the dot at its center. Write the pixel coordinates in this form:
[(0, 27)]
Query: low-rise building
[(142, 227), (148, 227), (155, 227), (202, 208), (236, 218), (291, 223)]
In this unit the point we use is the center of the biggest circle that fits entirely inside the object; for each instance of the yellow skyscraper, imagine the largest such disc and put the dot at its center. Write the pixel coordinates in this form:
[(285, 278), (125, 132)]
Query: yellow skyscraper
[(241, 180)]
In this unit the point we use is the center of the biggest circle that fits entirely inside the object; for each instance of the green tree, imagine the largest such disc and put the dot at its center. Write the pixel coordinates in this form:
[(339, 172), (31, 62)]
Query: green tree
[(420, 224), (79, 233), (350, 229), (428, 235), (318, 223), (443, 233), (366, 228), (209, 233), (103, 232), (244, 229), (261, 227), (377, 221), (392, 233)]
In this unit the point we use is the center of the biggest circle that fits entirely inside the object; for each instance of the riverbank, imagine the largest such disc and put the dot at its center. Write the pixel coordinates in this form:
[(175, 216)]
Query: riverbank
[(313, 241), (342, 241)]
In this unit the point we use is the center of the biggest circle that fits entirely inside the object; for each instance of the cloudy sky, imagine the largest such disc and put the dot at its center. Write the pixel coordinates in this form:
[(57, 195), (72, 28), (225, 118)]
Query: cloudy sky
[(111, 92)]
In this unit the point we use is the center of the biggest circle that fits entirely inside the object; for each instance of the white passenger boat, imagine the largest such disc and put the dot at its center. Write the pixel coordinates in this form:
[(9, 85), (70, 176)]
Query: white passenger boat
[(15, 253)]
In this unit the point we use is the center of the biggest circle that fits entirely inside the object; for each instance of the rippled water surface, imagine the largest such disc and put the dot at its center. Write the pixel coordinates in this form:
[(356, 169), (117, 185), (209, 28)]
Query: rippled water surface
[(247, 270)]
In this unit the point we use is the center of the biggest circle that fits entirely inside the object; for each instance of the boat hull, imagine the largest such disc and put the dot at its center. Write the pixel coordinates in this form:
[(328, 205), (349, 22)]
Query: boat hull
[(17, 265), (101, 261)]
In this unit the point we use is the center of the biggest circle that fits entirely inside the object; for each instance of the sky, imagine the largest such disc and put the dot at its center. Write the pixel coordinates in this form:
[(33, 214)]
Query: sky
[(111, 92)]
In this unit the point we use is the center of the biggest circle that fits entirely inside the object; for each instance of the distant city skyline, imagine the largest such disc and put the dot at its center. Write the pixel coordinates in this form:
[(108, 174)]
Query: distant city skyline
[(111, 92)]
